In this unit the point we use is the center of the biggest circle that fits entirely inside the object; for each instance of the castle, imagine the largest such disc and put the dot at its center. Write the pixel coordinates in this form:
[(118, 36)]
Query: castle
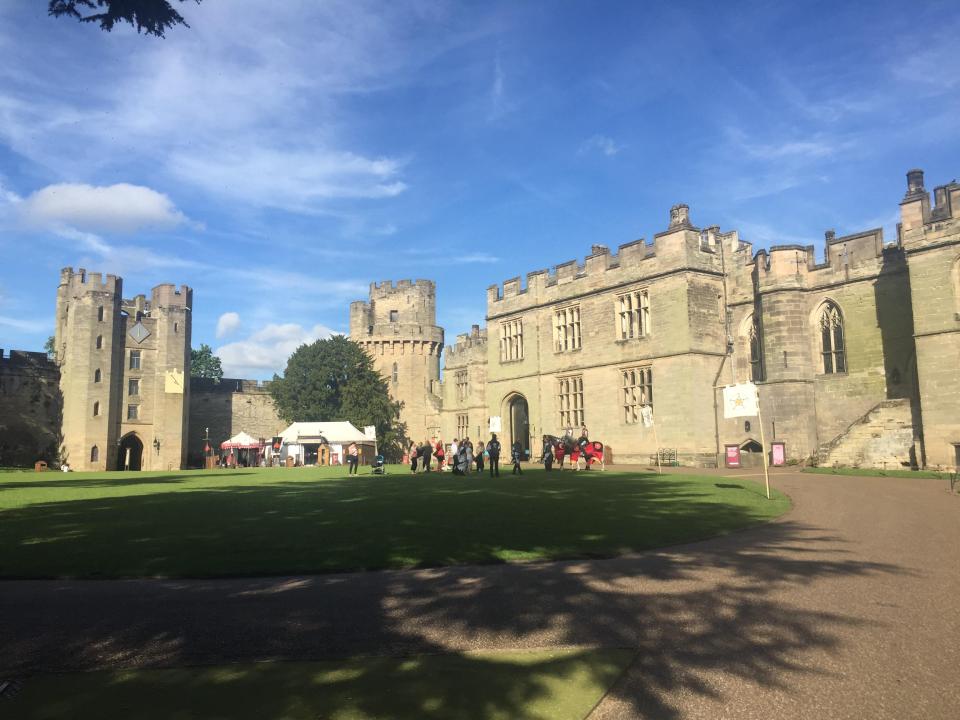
[(855, 355)]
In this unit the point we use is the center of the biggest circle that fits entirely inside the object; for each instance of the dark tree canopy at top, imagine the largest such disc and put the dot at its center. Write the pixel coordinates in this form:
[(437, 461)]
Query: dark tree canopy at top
[(153, 17)]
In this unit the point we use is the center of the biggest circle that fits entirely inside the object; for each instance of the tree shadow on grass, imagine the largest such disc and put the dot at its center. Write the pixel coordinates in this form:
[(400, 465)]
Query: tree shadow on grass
[(686, 612), (362, 524)]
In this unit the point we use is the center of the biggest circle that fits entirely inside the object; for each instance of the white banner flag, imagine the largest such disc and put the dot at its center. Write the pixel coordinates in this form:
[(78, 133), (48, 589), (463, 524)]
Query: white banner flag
[(370, 431), (646, 415), (495, 424), (740, 400)]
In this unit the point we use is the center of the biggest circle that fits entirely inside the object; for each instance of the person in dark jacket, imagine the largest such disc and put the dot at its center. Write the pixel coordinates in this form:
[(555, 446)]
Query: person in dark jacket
[(516, 452), (493, 450), (547, 454)]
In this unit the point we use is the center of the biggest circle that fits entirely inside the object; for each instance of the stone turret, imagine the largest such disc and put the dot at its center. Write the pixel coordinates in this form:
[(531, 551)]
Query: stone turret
[(397, 327), (123, 366)]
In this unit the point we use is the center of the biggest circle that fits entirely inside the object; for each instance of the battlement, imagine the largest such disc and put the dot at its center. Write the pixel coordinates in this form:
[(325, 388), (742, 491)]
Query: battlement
[(385, 288), (24, 358), (916, 212), (81, 281), (230, 386), (169, 295), (465, 342)]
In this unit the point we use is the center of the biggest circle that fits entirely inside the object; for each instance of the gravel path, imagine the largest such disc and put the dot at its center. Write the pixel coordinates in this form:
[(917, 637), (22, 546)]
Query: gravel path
[(848, 607)]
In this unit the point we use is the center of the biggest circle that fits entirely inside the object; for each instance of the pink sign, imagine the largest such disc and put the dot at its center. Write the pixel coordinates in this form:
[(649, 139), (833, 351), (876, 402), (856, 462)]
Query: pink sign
[(778, 458), (733, 456)]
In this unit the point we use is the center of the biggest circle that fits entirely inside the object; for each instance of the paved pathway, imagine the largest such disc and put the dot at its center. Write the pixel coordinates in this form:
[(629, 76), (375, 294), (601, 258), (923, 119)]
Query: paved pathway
[(848, 607)]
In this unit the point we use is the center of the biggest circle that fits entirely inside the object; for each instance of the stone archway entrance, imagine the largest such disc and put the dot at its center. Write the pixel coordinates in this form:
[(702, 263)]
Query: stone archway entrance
[(518, 415), (130, 453)]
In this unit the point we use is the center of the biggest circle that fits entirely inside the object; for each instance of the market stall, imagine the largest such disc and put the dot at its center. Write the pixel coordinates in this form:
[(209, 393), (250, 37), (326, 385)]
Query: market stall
[(242, 450)]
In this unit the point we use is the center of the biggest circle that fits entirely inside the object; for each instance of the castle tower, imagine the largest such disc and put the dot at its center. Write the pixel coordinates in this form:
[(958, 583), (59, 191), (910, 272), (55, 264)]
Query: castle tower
[(398, 329), (124, 368), (931, 239)]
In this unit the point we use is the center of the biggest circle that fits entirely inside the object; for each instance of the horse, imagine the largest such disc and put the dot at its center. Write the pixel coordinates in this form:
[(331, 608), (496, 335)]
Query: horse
[(566, 446)]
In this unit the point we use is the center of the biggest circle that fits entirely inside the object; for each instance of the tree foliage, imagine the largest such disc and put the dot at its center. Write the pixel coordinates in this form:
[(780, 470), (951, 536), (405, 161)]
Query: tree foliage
[(334, 379), (153, 17), (50, 347), (204, 364)]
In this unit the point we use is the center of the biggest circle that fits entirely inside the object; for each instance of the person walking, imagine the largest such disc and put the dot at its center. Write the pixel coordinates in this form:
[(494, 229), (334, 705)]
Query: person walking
[(468, 455), (547, 454), (439, 454), (414, 451), (353, 458), (478, 455), (427, 456), (493, 449), (515, 453), (454, 450)]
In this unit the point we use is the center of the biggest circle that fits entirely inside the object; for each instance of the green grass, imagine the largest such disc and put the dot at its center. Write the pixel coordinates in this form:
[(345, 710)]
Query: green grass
[(873, 472), (552, 685), (308, 520)]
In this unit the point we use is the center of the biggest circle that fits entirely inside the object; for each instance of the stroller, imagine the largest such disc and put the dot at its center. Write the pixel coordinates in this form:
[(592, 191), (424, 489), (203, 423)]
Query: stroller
[(378, 467)]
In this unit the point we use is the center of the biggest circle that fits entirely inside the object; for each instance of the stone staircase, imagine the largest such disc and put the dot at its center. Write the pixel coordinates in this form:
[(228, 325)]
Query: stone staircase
[(881, 438)]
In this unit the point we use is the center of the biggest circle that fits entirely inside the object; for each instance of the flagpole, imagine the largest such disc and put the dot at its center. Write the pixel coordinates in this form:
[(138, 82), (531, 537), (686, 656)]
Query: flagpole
[(763, 442)]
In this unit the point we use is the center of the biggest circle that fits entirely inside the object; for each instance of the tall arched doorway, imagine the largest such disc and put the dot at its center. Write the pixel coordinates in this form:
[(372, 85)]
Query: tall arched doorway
[(130, 453), (519, 418)]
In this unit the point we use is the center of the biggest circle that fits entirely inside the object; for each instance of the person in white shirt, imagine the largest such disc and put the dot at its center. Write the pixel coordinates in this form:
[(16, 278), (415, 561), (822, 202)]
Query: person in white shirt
[(453, 452)]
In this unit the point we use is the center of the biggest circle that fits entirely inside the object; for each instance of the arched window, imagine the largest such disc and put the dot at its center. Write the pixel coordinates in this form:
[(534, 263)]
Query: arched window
[(100, 314), (99, 341), (756, 351), (96, 408), (832, 346), (395, 372), (94, 454), (96, 375)]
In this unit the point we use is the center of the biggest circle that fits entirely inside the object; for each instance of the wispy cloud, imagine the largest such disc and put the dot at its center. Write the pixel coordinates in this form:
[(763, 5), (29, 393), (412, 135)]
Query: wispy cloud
[(600, 144), (26, 324)]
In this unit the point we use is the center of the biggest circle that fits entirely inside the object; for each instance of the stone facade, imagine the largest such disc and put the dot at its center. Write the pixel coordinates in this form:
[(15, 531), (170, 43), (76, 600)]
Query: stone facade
[(398, 329), (930, 237), (226, 408), (830, 343), (124, 366), (30, 409)]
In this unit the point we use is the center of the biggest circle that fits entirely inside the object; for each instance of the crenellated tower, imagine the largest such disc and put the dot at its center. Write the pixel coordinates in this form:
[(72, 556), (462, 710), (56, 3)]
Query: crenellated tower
[(124, 369), (398, 329)]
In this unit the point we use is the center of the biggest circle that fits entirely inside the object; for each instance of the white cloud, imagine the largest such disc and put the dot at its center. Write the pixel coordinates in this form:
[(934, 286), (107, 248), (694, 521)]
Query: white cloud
[(268, 348), (113, 208), (121, 258), (602, 144), (227, 324)]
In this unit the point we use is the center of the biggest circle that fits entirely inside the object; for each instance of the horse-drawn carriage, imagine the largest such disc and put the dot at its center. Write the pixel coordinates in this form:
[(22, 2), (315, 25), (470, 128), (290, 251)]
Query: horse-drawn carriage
[(575, 449)]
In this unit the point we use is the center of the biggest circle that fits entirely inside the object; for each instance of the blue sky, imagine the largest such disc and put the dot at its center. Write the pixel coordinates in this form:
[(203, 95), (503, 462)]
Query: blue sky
[(277, 157)]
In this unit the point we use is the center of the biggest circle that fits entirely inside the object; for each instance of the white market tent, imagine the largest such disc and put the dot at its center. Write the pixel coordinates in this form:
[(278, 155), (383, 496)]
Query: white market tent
[(302, 440), (338, 433), (240, 440)]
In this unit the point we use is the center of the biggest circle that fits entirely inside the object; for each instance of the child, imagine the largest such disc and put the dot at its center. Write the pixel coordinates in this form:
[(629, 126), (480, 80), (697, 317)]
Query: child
[(515, 453)]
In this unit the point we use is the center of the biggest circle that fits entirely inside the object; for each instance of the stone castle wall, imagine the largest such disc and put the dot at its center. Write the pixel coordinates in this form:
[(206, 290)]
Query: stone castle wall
[(30, 409), (226, 408)]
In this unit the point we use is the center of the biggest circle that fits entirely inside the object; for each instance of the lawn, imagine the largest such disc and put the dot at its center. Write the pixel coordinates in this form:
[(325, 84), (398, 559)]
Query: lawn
[(544, 685), (308, 520)]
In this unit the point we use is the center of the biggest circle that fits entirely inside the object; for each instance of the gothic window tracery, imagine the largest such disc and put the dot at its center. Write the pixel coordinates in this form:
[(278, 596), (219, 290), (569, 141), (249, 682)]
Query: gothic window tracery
[(832, 346)]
